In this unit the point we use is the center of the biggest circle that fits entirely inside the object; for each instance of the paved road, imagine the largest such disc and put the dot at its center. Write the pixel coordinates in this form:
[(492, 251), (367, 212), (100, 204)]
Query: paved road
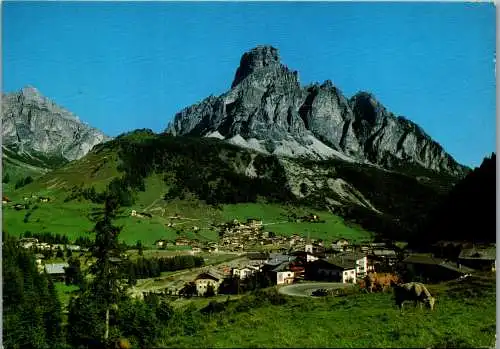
[(306, 289)]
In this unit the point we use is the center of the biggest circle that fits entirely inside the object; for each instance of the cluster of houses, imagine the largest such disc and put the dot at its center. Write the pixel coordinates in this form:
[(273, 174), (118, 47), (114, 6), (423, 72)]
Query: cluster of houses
[(347, 264), (238, 236), (33, 243), (21, 206)]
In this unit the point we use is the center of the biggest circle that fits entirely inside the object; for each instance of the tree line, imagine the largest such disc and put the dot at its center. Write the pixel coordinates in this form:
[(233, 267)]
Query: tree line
[(47, 237), (143, 268), (32, 315)]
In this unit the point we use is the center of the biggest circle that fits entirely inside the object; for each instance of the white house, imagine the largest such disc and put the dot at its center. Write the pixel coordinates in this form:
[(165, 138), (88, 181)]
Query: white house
[(206, 279), (340, 244), (358, 259), (332, 270), (243, 272)]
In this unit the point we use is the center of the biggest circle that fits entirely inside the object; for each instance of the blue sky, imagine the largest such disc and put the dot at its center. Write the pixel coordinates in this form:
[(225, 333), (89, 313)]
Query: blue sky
[(124, 66)]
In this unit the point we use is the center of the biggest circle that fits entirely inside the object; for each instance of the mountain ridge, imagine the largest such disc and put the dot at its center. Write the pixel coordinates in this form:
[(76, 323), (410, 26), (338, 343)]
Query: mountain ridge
[(267, 109), (32, 122)]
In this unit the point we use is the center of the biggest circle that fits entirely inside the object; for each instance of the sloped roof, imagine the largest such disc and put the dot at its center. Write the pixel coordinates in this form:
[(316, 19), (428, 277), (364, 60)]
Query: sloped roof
[(210, 274), (257, 255), (343, 263), (278, 258), (354, 256), (477, 253), (57, 268), (463, 269), (423, 259), (282, 267), (384, 252), (334, 263)]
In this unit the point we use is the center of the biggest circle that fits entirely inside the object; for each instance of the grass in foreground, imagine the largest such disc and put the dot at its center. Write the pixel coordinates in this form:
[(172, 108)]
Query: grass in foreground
[(361, 320)]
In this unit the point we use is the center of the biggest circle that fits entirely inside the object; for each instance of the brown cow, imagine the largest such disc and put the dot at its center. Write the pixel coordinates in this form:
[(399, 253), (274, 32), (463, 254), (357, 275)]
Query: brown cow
[(381, 281), (413, 291)]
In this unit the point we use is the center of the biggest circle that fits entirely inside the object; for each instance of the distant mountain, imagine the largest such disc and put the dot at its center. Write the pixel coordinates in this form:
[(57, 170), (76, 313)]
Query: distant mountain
[(33, 124), (268, 110)]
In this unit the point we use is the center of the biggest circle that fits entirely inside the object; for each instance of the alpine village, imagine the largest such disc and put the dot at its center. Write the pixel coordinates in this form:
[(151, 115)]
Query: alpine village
[(272, 215)]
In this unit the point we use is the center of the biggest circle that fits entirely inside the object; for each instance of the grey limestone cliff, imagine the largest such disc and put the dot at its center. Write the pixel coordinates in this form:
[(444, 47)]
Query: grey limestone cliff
[(267, 109), (33, 123)]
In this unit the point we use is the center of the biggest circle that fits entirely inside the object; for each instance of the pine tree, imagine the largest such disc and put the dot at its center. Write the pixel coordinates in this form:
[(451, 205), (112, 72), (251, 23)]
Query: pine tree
[(106, 286), (93, 306)]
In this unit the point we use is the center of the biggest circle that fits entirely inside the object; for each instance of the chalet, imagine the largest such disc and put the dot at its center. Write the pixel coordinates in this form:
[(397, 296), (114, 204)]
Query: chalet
[(134, 213), (257, 257), (243, 272), (206, 279), (39, 258), (314, 247), (340, 244), (56, 271), (282, 274), (161, 243), (432, 269), (331, 270), (28, 242), (181, 242), (478, 258), (73, 247), (254, 223), (358, 259), (277, 258), (382, 259)]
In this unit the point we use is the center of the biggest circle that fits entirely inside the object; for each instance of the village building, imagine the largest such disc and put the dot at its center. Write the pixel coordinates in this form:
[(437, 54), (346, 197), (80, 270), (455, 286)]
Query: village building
[(432, 269), (340, 245), (478, 258), (27, 242), (382, 259), (257, 257), (333, 270), (360, 261), (243, 272), (305, 256), (208, 279), (56, 271), (182, 242)]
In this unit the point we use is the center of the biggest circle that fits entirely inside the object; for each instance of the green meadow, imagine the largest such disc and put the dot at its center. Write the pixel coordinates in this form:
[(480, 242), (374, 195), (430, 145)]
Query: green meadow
[(464, 318)]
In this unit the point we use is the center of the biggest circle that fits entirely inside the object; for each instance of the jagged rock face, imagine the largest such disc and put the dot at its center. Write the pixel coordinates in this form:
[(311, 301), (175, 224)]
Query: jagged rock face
[(266, 109), (386, 138), (31, 122)]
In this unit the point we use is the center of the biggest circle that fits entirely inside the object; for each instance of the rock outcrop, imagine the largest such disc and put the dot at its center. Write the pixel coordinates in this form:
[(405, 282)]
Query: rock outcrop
[(31, 123), (268, 110)]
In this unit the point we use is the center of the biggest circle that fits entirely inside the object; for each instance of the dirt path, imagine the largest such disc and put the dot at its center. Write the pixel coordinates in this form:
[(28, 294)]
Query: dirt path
[(306, 289)]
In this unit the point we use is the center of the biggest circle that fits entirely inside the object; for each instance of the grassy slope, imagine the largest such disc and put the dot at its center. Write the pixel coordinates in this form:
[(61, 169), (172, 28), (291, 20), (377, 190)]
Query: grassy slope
[(71, 219), (333, 228), (363, 320)]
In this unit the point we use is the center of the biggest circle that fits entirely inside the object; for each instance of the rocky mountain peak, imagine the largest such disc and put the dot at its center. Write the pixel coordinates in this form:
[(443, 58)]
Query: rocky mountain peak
[(257, 58), (268, 110), (34, 124)]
